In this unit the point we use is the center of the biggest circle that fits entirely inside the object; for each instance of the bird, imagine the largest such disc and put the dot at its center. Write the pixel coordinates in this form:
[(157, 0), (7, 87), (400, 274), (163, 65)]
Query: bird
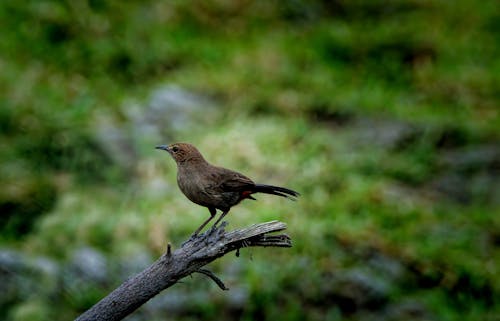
[(214, 187)]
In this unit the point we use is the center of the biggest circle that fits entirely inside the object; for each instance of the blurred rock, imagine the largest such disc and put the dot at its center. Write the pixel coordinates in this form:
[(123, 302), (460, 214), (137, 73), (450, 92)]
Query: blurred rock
[(389, 267), (452, 185), (472, 158), (355, 290), (469, 174), (23, 277), (407, 310), (85, 278), (11, 264), (384, 133), (455, 164), (175, 107), (177, 302), (116, 140), (238, 297), (168, 109), (11, 260), (88, 265), (134, 264)]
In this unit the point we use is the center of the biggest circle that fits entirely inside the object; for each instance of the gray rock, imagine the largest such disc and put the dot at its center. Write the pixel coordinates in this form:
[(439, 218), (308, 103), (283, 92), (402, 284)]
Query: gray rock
[(383, 133), (237, 298), (176, 107), (23, 277), (176, 301), (464, 188), (12, 261), (88, 265), (118, 143), (357, 289), (472, 158), (409, 310), (390, 268), (12, 267), (134, 263), (168, 110)]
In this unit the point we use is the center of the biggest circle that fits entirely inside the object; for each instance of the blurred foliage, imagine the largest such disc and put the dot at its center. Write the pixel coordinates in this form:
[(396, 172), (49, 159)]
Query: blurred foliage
[(384, 115)]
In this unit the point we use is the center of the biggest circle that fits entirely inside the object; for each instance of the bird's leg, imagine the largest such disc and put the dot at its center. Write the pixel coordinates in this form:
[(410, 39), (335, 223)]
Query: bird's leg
[(220, 218), (213, 211)]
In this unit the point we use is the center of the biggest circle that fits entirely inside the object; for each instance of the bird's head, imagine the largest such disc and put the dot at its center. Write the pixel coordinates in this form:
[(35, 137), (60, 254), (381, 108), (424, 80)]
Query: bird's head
[(181, 152)]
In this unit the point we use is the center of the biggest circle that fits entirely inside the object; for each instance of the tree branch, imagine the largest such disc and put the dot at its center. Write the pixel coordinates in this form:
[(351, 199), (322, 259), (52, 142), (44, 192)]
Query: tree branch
[(173, 266)]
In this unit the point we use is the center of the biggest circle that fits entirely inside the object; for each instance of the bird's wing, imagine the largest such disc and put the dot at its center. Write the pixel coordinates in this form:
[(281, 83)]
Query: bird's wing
[(231, 181)]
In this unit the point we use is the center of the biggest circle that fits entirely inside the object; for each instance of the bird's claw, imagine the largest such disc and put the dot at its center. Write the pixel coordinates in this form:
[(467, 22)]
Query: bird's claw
[(191, 238)]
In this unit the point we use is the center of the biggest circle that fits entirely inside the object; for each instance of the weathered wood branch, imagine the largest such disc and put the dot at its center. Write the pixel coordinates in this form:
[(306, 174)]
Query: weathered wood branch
[(173, 266)]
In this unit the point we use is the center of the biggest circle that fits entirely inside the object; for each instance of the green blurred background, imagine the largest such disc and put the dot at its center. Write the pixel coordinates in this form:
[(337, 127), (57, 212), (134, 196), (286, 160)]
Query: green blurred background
[(383, 114)]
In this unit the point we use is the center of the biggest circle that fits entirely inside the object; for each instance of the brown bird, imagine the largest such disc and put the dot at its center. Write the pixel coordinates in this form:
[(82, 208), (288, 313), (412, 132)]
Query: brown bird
[(212, 186)]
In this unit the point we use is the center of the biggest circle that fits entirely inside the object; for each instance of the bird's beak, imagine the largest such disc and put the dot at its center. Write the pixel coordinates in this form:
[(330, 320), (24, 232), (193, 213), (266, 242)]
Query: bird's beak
[(163, 147)]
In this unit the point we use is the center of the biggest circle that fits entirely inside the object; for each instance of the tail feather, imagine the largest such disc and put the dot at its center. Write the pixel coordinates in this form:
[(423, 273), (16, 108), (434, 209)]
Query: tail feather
[(276, 190)]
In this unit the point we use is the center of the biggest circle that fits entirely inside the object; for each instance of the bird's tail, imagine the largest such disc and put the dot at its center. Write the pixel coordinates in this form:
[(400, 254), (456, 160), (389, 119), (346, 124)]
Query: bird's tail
[(276, 190)]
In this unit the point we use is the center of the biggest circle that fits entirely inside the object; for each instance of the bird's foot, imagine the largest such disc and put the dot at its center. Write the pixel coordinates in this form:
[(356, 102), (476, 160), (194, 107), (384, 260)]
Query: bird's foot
[(191, 238), (217, 228)]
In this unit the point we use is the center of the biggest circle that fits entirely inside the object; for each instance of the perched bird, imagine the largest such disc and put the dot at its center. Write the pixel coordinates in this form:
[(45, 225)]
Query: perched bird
[(212, 186)]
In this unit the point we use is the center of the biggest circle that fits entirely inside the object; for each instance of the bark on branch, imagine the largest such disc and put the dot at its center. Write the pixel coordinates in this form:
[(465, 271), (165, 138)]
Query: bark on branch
[(173, 266)]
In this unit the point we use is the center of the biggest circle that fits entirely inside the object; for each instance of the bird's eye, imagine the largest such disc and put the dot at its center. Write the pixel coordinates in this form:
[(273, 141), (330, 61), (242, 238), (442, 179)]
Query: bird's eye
[(175, 149)]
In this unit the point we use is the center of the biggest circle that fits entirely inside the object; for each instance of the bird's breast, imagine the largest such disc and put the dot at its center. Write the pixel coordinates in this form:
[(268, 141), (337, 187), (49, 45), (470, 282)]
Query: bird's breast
[(193, 186)]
